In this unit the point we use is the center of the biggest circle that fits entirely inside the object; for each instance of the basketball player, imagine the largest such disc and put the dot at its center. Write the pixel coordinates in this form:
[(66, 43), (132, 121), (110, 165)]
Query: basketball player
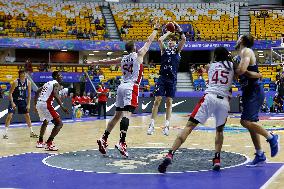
[(43, 101), (167, 81), (127, 92), (214, 102), (253, 97), (19, 100)]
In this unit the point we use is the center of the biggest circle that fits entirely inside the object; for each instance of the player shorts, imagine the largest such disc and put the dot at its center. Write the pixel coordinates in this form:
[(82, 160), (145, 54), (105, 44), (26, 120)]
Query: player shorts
[(211, 105), (165, 87), (252, 102), (46, 111), (127, 95), (21, 107)]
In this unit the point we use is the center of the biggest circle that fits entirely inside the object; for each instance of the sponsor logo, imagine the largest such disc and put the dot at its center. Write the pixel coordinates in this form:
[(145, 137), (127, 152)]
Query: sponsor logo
[(144, 106)]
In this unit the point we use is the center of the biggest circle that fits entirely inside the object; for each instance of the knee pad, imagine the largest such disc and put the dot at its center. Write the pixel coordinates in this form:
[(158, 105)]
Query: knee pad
[(124, 123)]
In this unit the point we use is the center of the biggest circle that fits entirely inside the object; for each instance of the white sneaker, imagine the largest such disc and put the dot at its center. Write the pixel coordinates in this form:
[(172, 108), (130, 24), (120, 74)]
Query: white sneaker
[(151, 129), (5, 136), (166, 130)]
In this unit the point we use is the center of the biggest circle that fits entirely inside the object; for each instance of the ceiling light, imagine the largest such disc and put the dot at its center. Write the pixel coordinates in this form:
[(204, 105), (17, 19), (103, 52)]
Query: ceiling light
[(64, 50), (109, 53), (91, 54), (96, 51)]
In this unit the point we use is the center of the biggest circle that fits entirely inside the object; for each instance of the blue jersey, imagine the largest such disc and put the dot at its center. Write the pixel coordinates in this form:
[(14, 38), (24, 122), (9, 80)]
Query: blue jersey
[(246, 82), (20, 92), (169, 63)]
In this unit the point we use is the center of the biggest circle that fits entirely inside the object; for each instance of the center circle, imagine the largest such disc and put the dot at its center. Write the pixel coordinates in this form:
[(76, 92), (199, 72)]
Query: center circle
[(141, 160)]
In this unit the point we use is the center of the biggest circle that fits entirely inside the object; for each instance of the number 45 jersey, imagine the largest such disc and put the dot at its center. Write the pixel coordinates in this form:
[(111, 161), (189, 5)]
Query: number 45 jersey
[(220, 76), (131, 69)]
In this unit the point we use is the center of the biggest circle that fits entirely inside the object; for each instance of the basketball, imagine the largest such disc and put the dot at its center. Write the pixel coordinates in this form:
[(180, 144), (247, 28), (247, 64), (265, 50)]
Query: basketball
[(170, 27)]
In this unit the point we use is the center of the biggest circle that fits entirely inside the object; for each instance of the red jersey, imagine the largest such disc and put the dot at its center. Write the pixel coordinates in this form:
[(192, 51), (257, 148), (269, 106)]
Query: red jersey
[(102, 97)]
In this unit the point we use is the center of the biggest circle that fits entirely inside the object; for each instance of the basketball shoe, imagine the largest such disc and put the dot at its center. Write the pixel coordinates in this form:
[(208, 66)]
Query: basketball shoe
[(258, 160), (151, 128), (40, 144), (102, 146), (50, 146), (274, 145), (216, 164), (121, 146), (33, 135), (166, 162), (166, 129)]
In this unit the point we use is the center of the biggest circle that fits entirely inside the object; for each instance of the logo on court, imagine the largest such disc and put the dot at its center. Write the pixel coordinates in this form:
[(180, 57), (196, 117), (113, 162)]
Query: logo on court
[(141, 160), (3, 113), (176, 104), (108, 108), (144, 106)]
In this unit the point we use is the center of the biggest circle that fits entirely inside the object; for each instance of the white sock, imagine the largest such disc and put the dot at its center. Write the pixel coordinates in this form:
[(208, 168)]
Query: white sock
[(31, 129), (152, 122), (269, 136), (167, 123), (259, 152)]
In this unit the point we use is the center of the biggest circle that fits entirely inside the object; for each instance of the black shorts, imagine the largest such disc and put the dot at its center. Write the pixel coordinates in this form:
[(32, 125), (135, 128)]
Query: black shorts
[(126, 108), (21, 107)]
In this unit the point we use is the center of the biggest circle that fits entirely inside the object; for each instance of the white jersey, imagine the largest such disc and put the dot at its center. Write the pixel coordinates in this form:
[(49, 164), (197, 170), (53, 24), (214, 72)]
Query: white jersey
[(220, 76), (131, 69), (46, 94)]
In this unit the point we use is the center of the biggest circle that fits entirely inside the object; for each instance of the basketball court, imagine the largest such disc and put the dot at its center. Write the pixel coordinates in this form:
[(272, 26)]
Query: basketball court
[(78, 164)]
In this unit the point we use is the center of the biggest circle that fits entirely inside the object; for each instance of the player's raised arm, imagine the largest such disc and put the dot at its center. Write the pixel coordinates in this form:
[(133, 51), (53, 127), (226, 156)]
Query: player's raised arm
[(161, 41), (183, 38), (149, 41)]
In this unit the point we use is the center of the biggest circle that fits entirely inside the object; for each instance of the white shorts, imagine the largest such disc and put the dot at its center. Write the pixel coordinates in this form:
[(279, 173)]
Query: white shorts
[(127, 95), (46, 111), (209, 105)]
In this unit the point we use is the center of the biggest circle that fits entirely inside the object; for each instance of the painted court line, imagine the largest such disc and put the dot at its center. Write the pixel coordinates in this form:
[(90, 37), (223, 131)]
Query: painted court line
[(273, 177)]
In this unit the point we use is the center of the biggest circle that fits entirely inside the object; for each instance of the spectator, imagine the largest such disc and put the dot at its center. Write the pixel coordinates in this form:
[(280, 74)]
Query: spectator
[(277, 105), (267, 59), (97, 21), (1, 92), (264, 107), (41, 67), (280, 85), (192, 69), (28, 66), (23, 17), (9, 17), (102, 99), (198, 35), (200, 72)]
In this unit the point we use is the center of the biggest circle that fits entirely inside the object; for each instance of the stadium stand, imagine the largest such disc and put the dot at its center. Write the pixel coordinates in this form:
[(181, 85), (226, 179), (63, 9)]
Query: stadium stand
[(218, 21), (51, 19), (267, 24)]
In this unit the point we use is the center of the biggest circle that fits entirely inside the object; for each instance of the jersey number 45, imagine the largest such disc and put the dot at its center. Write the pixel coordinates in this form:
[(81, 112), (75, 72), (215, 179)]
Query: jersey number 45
[(220, 77)]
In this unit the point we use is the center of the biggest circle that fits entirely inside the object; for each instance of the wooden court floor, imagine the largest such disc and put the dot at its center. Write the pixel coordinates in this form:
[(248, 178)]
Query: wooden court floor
[(83, 135)]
